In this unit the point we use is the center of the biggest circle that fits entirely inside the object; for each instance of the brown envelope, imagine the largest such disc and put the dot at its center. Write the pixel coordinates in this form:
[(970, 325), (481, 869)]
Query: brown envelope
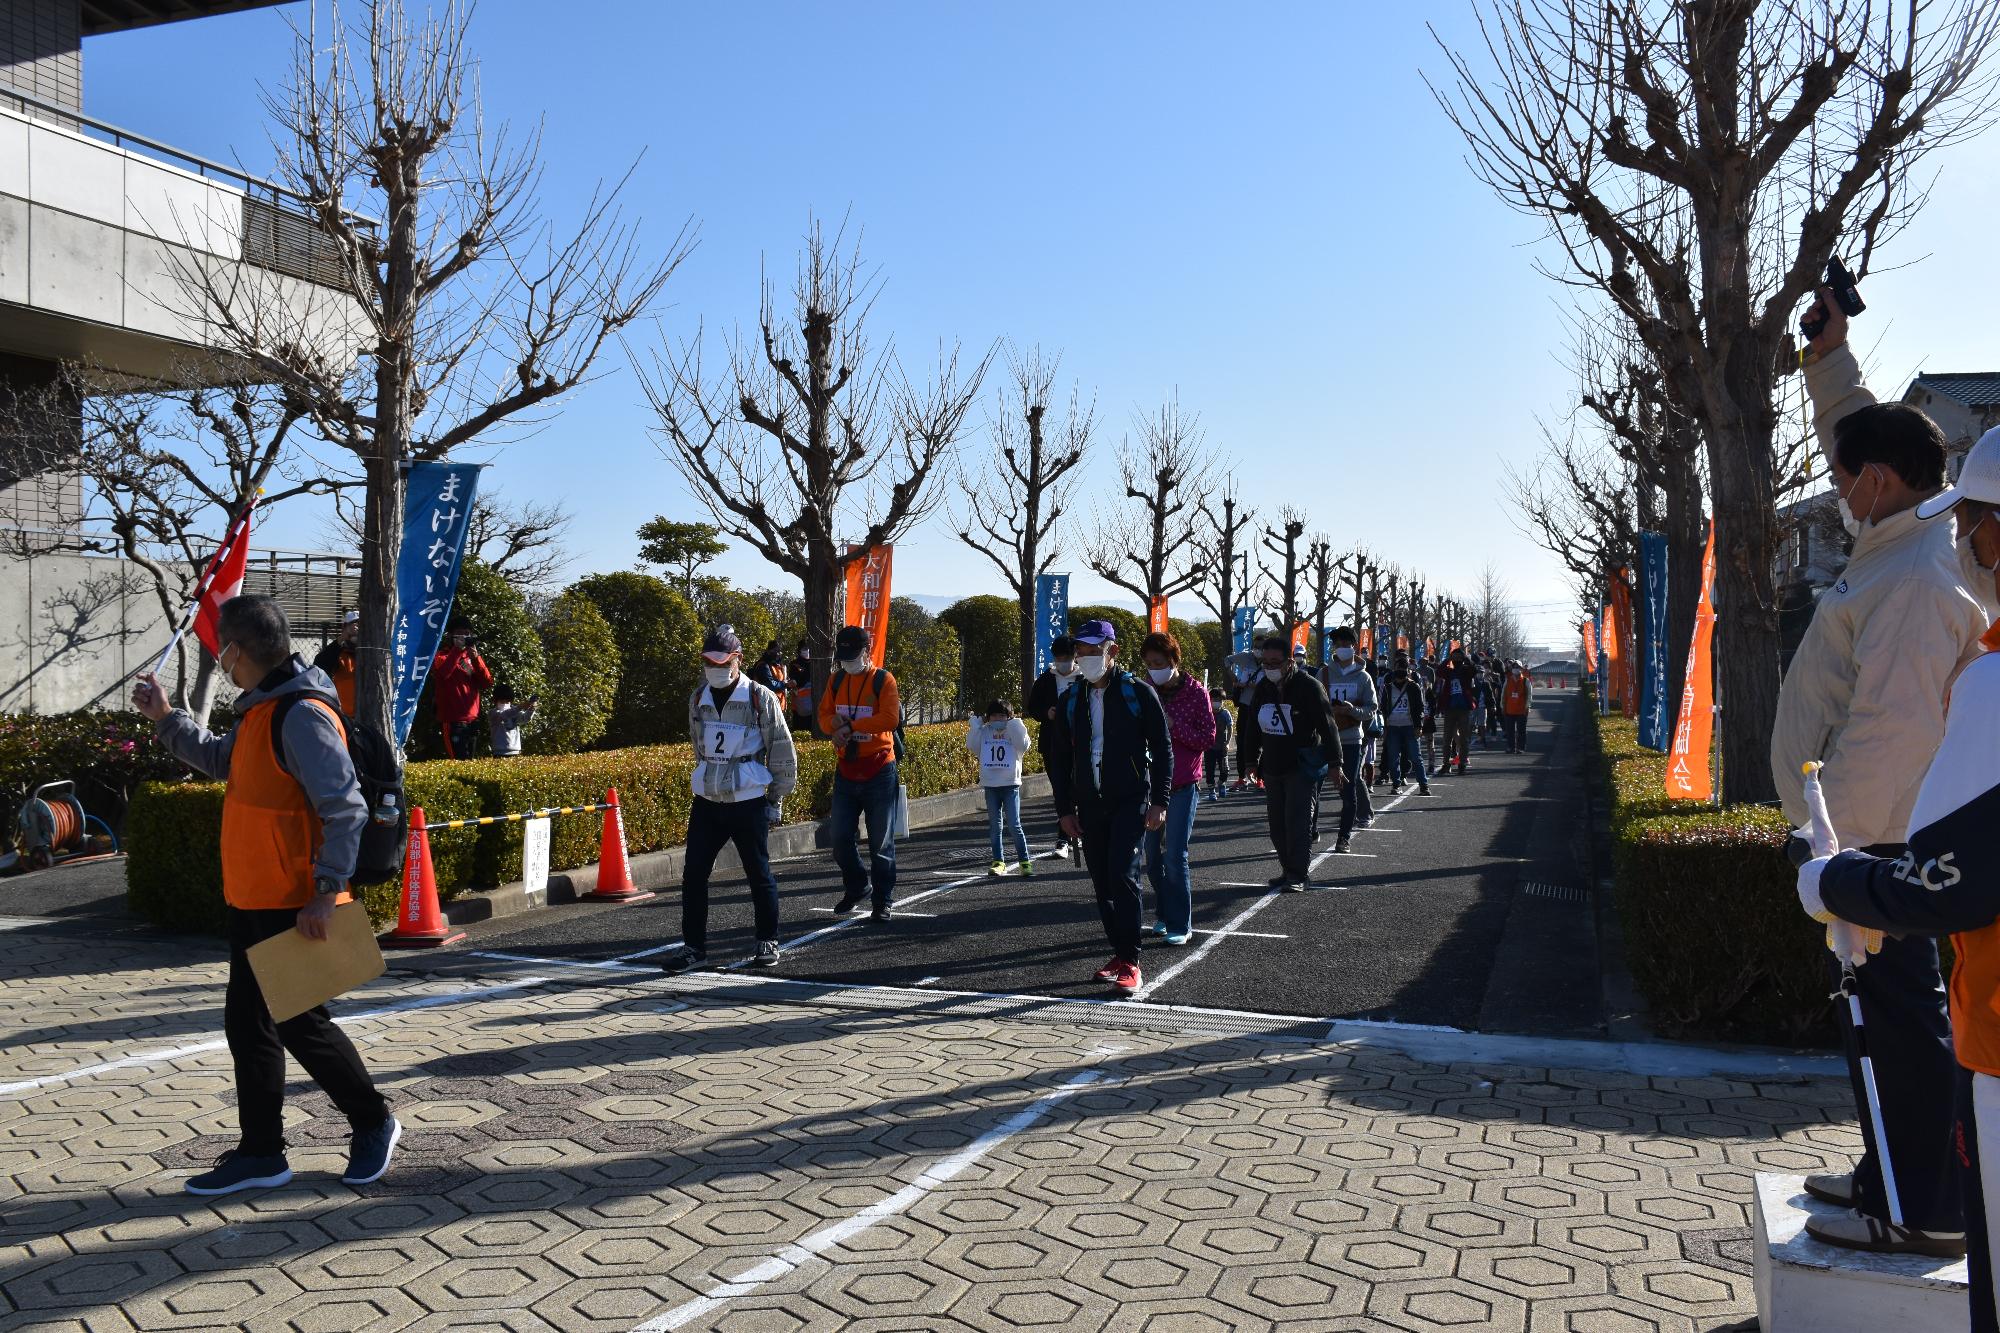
[(297, 974)]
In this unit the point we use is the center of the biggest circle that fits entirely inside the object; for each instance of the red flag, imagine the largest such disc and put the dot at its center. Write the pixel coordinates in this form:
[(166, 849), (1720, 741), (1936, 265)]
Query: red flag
[(1687, 770), (1156, 616), (222, 580), (868, 599), (1300, 633)]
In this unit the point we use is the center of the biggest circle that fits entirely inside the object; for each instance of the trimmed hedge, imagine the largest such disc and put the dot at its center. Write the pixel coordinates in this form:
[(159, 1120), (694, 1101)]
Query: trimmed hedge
[(173, 875), (1713, 933)]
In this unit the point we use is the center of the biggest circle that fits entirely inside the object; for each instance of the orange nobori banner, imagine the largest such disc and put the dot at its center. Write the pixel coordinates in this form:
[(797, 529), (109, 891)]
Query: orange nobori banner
[(1156, 616), (1301, 632), (1694, 734), (868, 598), (1624, 682), (1590, 647)]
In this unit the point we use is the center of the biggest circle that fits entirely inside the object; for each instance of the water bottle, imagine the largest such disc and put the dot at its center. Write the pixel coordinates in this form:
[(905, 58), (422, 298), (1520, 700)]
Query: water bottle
[(386, 814)]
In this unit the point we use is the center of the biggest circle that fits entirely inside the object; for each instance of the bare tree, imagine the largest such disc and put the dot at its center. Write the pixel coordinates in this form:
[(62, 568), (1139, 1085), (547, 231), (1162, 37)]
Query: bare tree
[(1283, 543), (1776, 127), (1225, 559), (809, 419), (1579, 506), (1012, 508), (522, 543), (461, 315), (1323, 571), (1150, 547), (165, 472)]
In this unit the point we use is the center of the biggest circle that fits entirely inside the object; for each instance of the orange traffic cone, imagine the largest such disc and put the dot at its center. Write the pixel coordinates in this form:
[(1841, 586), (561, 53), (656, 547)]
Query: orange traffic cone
[(614, 871), (419, 923)]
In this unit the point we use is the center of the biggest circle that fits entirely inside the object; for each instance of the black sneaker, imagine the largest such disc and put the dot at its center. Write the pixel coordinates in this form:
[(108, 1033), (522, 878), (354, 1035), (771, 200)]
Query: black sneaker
[(849, 901), (767, 953), (1295, 886), (1423, 791), (1340, 846), (1279, 881), (238, 1170), (683, 960), (882, 913), (369, 1155)]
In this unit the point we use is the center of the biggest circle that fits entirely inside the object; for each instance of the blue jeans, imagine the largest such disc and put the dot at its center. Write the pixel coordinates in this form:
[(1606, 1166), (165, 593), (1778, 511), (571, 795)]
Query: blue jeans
[(1354, 803), (1167, 863), (1401, 748), (875, 801), (1003, 804)]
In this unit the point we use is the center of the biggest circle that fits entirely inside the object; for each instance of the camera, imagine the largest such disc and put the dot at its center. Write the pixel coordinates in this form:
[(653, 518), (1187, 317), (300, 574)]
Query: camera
[(1845, 292)]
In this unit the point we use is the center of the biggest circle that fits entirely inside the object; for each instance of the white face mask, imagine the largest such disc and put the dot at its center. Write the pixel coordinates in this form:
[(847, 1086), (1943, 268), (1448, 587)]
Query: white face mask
[(1274, 673), (854, 666), (719, 677), (1161, 675), (1065, 668), (1343, 655), (1848, 519), (1968, 553), (1093, 668)]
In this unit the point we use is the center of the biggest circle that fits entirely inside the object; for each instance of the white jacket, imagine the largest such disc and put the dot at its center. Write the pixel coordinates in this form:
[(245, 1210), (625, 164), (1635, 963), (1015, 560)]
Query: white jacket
[(998, 750), (1866, 690)]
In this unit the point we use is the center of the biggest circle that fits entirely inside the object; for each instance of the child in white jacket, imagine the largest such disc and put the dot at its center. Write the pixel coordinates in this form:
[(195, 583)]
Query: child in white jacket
[(998, 743)]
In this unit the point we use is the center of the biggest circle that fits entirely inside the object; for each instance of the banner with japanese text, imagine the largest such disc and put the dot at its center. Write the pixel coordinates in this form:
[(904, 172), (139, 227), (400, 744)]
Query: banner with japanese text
[(1652, 635), (1688, 773), (868, 599), (437, 509), (1244, 631), (1051, 616), (1156, 616), (1589, 663), (1624, 675), (1300, 633)]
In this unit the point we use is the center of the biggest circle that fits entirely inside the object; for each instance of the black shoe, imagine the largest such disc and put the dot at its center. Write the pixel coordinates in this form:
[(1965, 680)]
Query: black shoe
[(239, 1171), (1340, 846), (1279, 881), (1295, 886), (882, 913), (767, 953), (368, 1156), (683, 960), (848, 902), (1423, 791)]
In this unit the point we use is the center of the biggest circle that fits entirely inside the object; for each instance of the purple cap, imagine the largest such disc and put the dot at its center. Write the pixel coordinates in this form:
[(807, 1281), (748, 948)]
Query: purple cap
[(1095, 632)]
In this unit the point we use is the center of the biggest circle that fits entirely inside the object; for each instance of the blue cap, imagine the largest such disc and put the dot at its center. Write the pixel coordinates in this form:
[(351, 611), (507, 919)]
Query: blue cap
[(1094, 632), (721, 642)]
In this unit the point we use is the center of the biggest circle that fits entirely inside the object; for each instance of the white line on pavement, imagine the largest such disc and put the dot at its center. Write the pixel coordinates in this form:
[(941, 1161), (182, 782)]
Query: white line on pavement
[(201, 1048), (928, 980), (899, 911), (800, 1252)]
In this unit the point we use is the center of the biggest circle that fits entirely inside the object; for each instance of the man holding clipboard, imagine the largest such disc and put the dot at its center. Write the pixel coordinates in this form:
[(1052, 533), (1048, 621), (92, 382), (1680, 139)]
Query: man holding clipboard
[(292, 819)]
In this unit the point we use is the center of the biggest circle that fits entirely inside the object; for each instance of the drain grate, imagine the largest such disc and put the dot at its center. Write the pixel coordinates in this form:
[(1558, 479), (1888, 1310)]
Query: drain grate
[(1560, 892)]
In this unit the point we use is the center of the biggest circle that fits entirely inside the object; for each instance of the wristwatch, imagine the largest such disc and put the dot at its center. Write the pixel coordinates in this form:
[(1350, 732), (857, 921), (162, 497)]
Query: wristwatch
[(325, 886)]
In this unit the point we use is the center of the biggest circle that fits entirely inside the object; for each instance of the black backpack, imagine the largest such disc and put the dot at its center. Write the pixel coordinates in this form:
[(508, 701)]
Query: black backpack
[(379, 859), (881, 679)]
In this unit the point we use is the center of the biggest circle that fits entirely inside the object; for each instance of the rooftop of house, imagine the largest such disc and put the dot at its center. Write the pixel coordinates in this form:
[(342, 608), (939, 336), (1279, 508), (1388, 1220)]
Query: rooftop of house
[(102, 16), (1973, 388)]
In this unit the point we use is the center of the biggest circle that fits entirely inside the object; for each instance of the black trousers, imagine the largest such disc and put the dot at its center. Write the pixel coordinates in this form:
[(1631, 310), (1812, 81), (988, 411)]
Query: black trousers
[(1972, 1189), (461, 739), (258, 1046), (1516, 727), (1288, 805), (713, 825), (1112, 834), (1909, 1039)]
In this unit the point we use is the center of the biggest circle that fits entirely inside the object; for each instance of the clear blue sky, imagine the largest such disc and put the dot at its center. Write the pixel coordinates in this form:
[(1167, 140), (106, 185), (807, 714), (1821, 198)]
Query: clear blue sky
[(1258, 207)]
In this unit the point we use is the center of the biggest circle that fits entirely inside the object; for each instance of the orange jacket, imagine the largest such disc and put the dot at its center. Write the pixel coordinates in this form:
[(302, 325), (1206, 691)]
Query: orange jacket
[(270, 832), (852, 696), (1514, 697)]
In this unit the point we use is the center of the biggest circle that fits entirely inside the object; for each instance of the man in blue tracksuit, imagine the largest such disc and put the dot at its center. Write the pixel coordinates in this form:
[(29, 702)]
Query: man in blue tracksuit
[(1114, 787)]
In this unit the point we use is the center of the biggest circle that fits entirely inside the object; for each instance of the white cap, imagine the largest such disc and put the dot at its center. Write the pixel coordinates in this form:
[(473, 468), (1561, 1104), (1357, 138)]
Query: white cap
[(1978, 478), (350, 617)]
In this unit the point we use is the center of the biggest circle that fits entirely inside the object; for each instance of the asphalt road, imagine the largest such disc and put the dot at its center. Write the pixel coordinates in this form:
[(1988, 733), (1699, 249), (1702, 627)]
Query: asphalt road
[(1470, 909)]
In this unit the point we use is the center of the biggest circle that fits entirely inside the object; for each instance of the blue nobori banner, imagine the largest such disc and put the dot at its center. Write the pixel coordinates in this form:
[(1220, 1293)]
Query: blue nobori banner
[(1051, 616), (1653, 723), (1243, 630), (437, 512)]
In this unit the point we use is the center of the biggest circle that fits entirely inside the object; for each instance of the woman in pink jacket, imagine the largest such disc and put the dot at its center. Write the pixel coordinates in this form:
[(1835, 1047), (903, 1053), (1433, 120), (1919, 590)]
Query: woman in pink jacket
[(1191, 727)]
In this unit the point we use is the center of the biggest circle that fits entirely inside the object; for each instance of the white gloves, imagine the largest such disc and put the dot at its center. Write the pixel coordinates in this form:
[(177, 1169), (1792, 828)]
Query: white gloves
[(1850, 943)]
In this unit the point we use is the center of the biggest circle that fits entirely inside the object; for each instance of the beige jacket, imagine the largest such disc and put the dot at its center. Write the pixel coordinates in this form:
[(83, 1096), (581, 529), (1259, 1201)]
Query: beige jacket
[(1866, 690)]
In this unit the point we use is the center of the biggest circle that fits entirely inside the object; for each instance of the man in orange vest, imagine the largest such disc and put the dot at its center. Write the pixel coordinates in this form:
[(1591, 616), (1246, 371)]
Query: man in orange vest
[(1515, 696), (859, 709), (292, 818)]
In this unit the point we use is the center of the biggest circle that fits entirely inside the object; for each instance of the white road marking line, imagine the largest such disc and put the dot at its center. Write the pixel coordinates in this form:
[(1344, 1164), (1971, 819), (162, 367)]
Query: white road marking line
[(1359, 829), (612, 964), (899, 911), (201, 1048), (928, 980), (1247, 934), (794, 1255)]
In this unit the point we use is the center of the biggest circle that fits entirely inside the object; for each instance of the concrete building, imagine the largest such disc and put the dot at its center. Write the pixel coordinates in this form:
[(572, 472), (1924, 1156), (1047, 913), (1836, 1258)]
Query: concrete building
[(103, 231)]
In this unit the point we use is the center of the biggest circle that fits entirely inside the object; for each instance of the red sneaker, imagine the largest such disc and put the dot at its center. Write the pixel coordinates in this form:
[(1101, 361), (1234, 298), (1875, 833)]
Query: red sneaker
[(1109, 970), (1126, 979)]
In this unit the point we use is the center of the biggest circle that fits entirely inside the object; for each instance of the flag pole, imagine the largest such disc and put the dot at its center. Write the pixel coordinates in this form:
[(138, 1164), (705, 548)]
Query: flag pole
[(234, 534)]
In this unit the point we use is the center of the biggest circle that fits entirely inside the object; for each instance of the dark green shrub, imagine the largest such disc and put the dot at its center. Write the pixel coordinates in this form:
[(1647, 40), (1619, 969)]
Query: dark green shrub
[(1130, 628), (581, 656), (659, 648), (1709, 906), (989, 634)]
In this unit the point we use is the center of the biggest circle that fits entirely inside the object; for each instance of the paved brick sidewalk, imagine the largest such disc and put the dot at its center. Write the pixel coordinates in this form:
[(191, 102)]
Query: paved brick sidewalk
[(591, 1151)]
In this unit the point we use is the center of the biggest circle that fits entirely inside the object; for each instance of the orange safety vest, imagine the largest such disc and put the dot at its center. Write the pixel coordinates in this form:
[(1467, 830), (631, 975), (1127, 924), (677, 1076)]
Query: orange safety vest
[(343, 683), (1514, 700), (270, 832)]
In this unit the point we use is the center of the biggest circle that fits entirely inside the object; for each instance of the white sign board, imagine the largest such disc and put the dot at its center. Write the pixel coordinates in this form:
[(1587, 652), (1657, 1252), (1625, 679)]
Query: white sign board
[(535, 860)]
